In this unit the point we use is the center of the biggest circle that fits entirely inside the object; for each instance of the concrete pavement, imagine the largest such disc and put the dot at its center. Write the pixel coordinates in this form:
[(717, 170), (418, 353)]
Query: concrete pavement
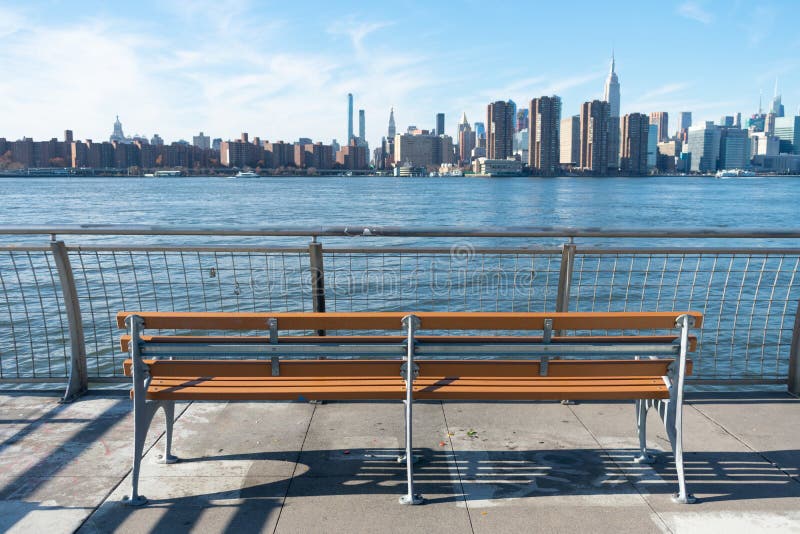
[(484, 467)]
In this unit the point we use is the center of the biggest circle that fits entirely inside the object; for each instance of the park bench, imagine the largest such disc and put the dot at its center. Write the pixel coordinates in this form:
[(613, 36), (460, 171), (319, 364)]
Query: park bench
[(282, 356)]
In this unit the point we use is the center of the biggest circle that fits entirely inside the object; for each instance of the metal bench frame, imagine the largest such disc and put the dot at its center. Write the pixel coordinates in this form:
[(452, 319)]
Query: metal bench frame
[(670, 410)]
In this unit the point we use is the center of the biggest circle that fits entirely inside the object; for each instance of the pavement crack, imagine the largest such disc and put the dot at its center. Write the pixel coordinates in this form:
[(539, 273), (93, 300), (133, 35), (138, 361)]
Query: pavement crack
[(611, 458), (719, 425), (294, 470), (455, 464)]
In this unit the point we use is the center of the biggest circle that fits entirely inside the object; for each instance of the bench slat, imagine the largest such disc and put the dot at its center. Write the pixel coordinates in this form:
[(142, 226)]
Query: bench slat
[(392, 320), (351, 368), (438, 390), (357, 340)]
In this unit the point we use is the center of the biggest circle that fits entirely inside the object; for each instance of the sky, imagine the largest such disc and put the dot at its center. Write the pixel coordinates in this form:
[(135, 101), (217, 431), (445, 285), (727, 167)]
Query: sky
[(282, 71)]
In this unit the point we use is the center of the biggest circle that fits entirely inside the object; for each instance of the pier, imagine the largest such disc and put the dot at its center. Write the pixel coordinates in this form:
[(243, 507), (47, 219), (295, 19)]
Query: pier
[(485, 466)]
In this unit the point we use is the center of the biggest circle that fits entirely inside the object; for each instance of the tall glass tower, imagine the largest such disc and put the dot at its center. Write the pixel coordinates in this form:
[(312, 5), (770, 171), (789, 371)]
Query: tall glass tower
[(349, 117)]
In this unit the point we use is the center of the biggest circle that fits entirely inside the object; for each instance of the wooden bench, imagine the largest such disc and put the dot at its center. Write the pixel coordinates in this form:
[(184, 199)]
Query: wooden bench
[(569, 360)]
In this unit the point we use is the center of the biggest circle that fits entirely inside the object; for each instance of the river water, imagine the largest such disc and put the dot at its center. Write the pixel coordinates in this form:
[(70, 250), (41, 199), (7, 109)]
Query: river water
[(749, 299), (478, 202)]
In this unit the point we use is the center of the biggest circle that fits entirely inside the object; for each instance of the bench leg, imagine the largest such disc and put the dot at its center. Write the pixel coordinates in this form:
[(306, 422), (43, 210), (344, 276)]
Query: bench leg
[(641, 427), (143, 413), (169, 416), (675, 434), (410, 497)]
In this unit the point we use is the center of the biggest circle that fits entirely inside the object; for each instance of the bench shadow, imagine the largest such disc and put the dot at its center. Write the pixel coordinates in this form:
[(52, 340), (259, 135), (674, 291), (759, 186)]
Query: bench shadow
[(446, 476)]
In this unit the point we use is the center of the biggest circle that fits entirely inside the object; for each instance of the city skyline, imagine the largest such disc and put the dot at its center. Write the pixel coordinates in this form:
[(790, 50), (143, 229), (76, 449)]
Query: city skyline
[(291, 75)]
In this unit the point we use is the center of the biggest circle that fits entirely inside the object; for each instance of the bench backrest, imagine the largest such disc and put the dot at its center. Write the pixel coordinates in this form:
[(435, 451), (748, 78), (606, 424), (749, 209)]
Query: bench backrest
[(389, 321)]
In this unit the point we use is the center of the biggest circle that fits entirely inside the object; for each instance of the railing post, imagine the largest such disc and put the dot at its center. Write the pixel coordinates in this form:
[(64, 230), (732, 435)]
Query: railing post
[(78, 382), (794, 355), (317, 278), (565, 276)]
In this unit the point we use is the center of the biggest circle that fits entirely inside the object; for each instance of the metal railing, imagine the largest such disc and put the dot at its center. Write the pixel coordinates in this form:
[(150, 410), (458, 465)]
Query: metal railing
[(59, 301)]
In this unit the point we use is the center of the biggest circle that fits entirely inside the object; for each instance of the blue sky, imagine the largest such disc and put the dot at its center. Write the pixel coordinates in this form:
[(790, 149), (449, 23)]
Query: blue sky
[(282, 70)]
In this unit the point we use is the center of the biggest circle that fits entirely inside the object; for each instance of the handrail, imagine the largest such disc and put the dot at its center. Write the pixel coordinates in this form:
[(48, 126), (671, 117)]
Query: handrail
[(397, 231)]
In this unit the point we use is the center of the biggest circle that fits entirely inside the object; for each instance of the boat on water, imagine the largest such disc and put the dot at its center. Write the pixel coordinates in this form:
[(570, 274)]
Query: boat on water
[(734, 173), (246, 174)]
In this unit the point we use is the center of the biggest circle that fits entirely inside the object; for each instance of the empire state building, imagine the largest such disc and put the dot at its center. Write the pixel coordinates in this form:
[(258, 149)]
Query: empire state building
[(611, 95)]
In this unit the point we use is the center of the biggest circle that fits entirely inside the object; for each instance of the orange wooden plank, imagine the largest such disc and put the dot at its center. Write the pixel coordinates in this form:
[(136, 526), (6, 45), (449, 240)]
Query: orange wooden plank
[(463, 368), (392, 320)]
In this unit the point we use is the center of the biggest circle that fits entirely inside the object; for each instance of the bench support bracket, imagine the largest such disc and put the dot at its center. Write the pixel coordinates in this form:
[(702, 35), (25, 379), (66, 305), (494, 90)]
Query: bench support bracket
[(143, 412)]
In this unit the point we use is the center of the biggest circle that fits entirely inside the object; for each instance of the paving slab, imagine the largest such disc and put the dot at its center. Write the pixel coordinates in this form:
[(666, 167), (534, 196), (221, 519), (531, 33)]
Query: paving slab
[(536, 463), (768, 435), (727, 477), (354, 481)]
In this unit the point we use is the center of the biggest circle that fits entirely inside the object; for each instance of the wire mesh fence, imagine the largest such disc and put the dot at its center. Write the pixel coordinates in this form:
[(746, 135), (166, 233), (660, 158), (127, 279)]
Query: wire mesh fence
[(749, 297), (34, 332)]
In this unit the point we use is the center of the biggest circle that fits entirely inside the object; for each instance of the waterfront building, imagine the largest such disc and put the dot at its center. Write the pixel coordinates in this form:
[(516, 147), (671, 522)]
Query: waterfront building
[(594, 136), (734, 148), (570, 141), (278, 154), (652, 146), (781, 164), (668, 156), (762, 144), (769, 123), (392, 130), (703, 145), (216, 143), (349, 117), (422, 149), (353, 157), (500, 135), (202, 141), (242, 153), (544, 118), (440, 124), (634, 143), (497, 167), (787, 129), (611, 95)]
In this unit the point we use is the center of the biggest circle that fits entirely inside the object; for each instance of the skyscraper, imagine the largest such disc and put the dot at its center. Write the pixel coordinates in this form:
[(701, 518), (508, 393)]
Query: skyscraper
[(686, 120), (571, 141), (361, 126), (611, 95), (661, 120), (500, 123), (634, 138), (392, 128), (440, 124), (466, 139), (777, 107), (594, 136), (703, 144), (544, 118), (349, 117)]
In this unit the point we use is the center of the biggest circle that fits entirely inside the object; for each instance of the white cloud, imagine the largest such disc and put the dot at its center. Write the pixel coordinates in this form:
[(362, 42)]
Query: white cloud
[(696, 12)]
